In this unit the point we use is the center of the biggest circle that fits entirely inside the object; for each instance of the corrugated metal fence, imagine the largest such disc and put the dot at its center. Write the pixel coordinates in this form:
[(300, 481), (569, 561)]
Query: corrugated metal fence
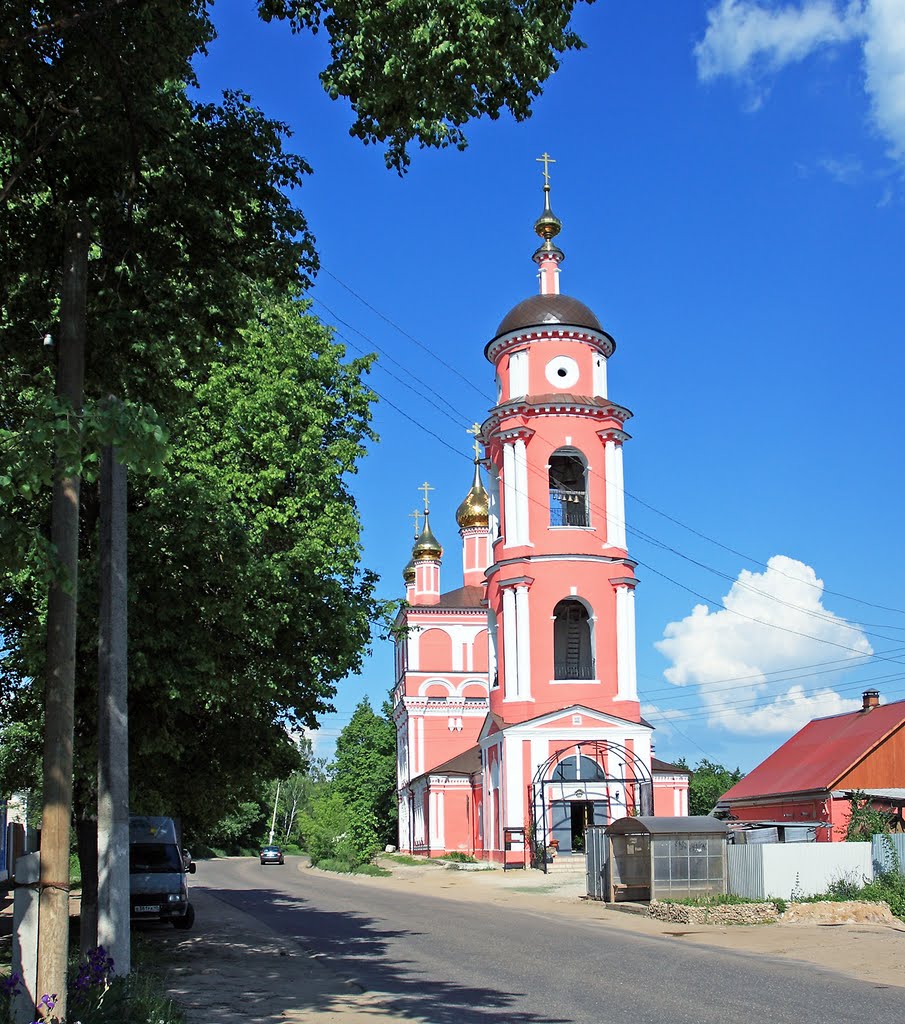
[(596, 848), (888, 853)]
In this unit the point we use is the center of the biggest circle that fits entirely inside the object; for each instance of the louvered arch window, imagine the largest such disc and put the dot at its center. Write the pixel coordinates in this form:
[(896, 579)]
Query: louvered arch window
[(573, 652), (568, 478)]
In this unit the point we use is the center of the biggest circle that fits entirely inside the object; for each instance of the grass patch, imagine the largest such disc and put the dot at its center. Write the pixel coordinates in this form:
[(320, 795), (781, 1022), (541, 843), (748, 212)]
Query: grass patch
[(726, 899), (372, 869), (404, 858), (459, 858)]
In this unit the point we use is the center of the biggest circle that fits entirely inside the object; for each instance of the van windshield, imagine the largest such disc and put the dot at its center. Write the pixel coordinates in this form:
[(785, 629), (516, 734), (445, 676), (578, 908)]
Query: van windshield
[(154, 858)]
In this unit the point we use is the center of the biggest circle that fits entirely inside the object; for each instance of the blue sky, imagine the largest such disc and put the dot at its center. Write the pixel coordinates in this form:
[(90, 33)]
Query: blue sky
[(730, 179)]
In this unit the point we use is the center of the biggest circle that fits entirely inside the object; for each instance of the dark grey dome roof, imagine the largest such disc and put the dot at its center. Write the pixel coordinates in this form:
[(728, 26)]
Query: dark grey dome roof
[(548, 309)]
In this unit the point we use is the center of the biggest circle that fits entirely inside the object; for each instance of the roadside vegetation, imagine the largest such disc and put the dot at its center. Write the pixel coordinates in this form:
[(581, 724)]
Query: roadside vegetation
[(98, 996)]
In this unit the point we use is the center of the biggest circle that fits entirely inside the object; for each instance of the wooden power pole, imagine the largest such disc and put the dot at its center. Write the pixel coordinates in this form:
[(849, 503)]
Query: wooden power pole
[(53, 933)]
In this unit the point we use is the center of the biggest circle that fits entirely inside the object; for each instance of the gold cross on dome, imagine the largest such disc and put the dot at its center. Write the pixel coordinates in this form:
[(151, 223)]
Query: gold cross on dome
[(426, 487), (546, 160), (475, 429), (416, 515)]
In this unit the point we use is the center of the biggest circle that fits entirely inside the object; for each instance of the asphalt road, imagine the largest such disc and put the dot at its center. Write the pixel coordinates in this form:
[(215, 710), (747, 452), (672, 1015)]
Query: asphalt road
[(448, 962)]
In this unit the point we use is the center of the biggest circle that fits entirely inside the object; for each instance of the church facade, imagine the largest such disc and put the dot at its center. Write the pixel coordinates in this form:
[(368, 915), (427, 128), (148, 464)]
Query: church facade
[(515, 702)]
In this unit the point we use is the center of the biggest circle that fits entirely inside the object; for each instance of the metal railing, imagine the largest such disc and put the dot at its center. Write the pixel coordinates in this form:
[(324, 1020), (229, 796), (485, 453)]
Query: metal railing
[(568, 508), (582, 668)]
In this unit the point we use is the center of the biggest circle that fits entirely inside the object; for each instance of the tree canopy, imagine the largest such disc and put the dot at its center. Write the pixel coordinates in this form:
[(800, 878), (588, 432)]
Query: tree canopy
[(419, 70), (238, 417), (709, 781)]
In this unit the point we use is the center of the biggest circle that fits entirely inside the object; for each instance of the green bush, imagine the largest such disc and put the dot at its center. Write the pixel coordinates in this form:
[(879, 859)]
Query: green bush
[(459, 857)]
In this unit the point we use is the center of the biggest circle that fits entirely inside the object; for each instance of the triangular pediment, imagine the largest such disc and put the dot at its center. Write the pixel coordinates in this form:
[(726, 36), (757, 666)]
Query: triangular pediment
[(565, 718), (492, 724)]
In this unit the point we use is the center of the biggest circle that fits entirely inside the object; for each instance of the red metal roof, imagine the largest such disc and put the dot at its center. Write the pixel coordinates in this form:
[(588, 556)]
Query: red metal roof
[(818, 755)]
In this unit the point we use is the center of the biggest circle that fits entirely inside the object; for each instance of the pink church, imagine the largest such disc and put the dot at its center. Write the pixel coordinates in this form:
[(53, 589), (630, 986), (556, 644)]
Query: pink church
[(516, 703)]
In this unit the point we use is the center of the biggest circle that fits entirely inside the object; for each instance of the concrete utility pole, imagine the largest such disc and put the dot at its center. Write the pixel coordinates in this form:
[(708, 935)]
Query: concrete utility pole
[(53, 934), (273, 820), (113, 720)]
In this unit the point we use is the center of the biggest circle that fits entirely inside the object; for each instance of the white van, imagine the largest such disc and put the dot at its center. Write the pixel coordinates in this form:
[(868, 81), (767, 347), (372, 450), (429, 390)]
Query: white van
[(158, 888)]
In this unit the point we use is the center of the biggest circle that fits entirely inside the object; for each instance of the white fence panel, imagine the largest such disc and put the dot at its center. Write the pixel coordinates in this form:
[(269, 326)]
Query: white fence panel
[(805, 869)]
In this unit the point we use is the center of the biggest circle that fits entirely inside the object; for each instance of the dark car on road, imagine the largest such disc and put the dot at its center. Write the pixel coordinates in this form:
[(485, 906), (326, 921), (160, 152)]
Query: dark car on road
[(271, 855)]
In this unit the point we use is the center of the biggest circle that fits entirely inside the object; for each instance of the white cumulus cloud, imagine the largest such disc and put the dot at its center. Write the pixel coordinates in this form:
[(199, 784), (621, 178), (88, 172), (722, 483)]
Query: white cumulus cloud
[(747, 39), (741, 33), (771, 623)]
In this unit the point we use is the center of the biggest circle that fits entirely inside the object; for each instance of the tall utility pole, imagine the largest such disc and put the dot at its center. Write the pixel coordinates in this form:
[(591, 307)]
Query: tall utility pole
[(113, 719), (53, 934)]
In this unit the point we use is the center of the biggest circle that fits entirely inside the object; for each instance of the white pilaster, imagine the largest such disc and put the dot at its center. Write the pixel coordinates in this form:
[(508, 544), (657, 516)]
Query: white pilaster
[(514, 807), (493, 482), (523, 642), (518, 374), (615, 494), (492, 641), (521, 488), (599, 379), (626, 670), (510, 513), (510, 649)]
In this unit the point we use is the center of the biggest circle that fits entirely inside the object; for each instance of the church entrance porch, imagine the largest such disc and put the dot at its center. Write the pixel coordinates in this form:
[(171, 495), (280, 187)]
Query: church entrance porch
[(570, 818), (581, 785)]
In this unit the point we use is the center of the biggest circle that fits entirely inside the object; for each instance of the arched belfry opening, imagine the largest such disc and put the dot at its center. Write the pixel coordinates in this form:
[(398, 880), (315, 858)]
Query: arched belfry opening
[(592, 783), (573, 649), (568, 478)]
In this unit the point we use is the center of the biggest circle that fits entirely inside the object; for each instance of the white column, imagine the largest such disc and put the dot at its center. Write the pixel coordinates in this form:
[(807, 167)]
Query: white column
[(510, 650), (521, 487), (523, 642), (626, 671), (515, 788), (510, 522), (491, 647), (615, 495), (493, 480)]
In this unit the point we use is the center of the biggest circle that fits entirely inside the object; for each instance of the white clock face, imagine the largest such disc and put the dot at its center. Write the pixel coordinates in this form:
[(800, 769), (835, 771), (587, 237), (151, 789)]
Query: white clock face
[(562, 372)]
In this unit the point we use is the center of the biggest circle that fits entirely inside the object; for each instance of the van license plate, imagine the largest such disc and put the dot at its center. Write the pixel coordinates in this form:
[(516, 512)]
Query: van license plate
[(147, 910)]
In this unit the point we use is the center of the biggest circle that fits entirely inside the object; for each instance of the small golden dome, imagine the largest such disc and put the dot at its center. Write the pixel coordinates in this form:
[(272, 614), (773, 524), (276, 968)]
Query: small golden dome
[(475, 509), (427, 547), (408, 573)]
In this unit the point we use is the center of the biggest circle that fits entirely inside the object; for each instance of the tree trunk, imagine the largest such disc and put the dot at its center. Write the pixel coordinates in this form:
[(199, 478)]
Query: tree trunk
[(53, 936)]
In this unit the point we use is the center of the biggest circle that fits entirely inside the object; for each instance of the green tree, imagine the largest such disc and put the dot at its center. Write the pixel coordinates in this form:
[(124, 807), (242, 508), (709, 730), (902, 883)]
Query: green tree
[(168, 222), (418, 70), (866, 820), (293, 797), (364, 772), (247, 603), (709, 781)]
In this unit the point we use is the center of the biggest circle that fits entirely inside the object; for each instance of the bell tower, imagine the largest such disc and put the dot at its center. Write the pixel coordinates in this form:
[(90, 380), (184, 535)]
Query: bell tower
[(560, 583)]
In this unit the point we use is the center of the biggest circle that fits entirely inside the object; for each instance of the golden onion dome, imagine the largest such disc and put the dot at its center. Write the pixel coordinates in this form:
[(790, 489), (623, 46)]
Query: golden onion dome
[(408, 573), (427, 547), (475, 509)]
